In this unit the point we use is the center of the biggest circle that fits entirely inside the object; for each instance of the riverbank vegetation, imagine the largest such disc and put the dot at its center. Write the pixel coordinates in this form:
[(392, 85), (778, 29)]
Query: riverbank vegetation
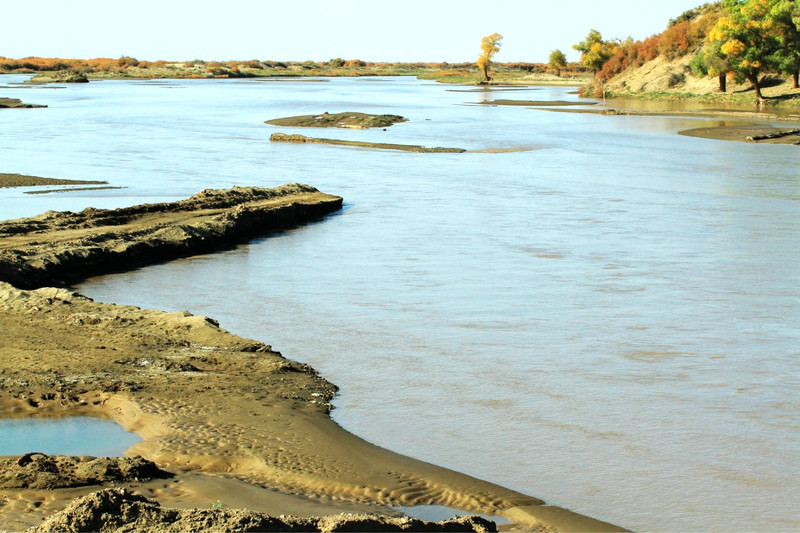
[(729, 51), (47, 70)]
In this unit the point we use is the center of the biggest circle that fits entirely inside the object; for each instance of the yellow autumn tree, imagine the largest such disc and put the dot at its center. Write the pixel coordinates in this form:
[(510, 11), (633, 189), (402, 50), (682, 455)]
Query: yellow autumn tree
[(490, 45), (747, 37)]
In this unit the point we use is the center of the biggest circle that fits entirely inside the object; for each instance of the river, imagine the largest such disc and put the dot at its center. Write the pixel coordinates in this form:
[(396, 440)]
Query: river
[(606, 317)]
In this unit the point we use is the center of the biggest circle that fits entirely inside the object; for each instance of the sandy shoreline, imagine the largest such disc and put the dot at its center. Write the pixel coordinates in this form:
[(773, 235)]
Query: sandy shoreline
[(231, 418), (743, 130)]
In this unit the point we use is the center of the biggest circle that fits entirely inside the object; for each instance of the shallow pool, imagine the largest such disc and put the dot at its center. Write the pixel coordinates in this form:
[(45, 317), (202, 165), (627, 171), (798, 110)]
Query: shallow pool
[(77, 435), (438, 513)]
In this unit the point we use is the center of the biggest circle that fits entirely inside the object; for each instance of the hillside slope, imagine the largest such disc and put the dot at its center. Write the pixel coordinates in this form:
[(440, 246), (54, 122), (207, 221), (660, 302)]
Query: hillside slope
[(665, 78), (668, 65)]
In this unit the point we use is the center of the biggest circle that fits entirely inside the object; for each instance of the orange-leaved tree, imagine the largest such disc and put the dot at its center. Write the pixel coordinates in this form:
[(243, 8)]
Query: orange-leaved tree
[(490, 45)]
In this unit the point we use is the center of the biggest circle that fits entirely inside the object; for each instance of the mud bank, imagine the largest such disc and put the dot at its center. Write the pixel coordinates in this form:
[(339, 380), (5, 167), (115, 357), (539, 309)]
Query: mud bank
[(21, 180), (59, 247), (208, 401), (209, 405), (118, 510), (282, 137), (7, 103), (536, 103), (759, 133), (43, 472), (350, 120)]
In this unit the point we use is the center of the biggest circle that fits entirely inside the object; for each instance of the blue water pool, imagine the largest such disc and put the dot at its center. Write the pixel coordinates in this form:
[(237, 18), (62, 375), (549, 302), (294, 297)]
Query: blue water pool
[(78, 435)]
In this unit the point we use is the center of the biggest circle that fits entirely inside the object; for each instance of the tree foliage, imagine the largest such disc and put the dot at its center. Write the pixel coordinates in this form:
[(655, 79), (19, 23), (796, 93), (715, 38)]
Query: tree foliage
[(745, 39), (595, 51), (785, 17), (557, 61), (748, 40), (490, 45)]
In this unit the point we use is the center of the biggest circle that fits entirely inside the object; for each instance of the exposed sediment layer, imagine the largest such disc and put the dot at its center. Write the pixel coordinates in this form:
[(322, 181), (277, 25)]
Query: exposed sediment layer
[(44, 472), (58, 247), (201, 398), (120, 510), (295, 138)]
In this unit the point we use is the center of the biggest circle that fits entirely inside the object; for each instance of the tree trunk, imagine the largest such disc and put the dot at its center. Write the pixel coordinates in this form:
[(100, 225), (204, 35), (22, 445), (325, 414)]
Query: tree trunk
[(723, 82), (753, 78), (795, 76)]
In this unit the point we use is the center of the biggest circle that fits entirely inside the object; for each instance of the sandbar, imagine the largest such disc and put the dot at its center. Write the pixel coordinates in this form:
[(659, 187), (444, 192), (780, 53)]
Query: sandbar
[(21, 180), (761, 133), (536, 103), (295, 138), (208, 404), (16, 103), (351, 120), (72, 189)]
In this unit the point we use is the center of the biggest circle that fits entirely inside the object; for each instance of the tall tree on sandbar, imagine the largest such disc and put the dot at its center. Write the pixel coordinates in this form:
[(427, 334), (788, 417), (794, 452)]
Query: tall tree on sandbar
[(490, 45)]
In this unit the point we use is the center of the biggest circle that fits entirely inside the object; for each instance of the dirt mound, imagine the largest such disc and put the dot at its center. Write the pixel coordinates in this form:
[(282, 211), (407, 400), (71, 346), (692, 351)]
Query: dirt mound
[(120, 510), (55, 248), (40, 471)]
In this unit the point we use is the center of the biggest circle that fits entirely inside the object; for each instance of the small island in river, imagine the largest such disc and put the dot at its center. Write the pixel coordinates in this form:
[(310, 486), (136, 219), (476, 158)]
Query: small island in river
[(16, 103), (352, 120), (21, 180)]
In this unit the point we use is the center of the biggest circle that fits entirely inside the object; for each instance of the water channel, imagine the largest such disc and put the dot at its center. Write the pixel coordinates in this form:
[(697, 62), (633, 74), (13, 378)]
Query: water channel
[(606, 318)]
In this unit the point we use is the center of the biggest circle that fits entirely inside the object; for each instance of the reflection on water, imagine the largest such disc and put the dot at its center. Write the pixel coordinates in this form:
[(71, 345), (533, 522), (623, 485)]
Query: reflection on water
[(608, 322), (78, 435)]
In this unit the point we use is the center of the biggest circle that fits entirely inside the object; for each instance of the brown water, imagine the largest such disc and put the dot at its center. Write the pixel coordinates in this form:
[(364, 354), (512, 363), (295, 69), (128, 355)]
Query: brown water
[(607, 320)]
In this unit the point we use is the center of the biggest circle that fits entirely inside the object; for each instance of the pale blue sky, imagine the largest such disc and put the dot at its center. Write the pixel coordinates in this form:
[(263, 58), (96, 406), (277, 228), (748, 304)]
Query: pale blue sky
[(299, 30)]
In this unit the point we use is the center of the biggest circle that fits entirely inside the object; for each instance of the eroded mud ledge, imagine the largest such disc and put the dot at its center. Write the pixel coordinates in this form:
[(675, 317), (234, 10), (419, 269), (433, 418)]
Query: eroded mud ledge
[(60, 247), (203, 399)]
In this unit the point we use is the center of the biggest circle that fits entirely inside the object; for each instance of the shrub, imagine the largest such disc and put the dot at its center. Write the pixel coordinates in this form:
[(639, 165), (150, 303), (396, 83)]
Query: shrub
[(675, 41), (127, 61), (698, 65)]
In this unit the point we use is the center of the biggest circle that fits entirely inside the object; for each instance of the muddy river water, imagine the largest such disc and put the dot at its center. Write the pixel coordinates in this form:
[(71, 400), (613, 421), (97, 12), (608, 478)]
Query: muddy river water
[(603, 314)]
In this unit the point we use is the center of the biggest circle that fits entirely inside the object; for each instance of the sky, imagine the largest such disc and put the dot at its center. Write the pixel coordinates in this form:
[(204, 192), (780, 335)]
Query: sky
[(319, 30)]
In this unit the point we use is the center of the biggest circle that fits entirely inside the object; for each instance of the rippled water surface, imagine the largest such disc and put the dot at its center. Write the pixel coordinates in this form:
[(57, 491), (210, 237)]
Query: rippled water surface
[(607, 319)]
